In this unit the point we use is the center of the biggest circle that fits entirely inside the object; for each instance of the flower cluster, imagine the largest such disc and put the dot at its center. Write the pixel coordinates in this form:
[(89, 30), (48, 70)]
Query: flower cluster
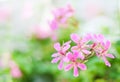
[(85, 47), (61, 15)]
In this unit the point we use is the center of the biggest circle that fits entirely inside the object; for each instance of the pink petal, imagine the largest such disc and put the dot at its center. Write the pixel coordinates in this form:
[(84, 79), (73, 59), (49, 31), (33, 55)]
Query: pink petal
[(108, 44), (55, 55), (69, 55), (68, 67), (76, 54), (67, 43), (110, 55), (66, 48), (74, 48), (106, 62), (75, 38), (86, 52), (88, 37), (82, 66), (55, 60), (101, 36), (63, 20), (65, 59), (53, 24), (75, 71), (60, 66), (81, 56), (57, 46)]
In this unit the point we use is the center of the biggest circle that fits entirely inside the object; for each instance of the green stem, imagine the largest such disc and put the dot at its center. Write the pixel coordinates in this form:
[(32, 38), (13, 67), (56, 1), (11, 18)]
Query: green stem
[(87, 57)]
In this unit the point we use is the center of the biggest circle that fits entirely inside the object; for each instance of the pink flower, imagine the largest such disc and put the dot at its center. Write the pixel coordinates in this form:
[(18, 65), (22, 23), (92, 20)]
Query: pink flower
[(103, 49), (15, 71), (74, 63), (81, 46), (61, 53), (42, 32), (61, 15), (53, 24), (100, 46), (95, 37)]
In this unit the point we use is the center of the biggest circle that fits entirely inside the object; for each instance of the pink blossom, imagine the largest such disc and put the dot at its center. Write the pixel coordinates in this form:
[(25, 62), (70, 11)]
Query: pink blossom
[(15, 71), (42, 32), (100, 46), (61, 15), (82, 51), (103, 49), (74, 63), (53, 24), (81, 46), (61, 53)]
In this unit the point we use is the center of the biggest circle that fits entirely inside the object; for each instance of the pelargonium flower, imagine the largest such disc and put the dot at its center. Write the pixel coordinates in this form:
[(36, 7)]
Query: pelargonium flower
[(85, 48), (73, 57), (100, 47), (61, 15), (81, 46), (103, 49), (61, 53)]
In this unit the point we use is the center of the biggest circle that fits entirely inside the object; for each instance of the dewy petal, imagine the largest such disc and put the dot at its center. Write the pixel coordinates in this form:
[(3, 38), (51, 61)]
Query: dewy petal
[(86, 52), (106, 62), (75, 38), (60, 66), (57, 46), (68, 67), (82, 66), (55, 60), (110, 55), (75, 71), (55, 55)]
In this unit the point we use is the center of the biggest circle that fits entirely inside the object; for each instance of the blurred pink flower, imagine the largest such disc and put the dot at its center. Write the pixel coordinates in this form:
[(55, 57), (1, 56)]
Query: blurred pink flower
[(81, 46), (5, 13), (61, 15), (61, 53), (103, 49), (74, 63), (100, 46), (15, 71), (53, 24), (42, 32)]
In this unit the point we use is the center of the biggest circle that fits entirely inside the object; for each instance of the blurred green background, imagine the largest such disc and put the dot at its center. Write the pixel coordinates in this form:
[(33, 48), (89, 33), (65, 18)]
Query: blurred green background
[(25, 55)]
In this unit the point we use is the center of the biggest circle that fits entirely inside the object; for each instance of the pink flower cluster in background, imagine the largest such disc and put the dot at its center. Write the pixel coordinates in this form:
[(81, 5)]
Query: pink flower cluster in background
[(61, 15), (14, 69), (74, 56)]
